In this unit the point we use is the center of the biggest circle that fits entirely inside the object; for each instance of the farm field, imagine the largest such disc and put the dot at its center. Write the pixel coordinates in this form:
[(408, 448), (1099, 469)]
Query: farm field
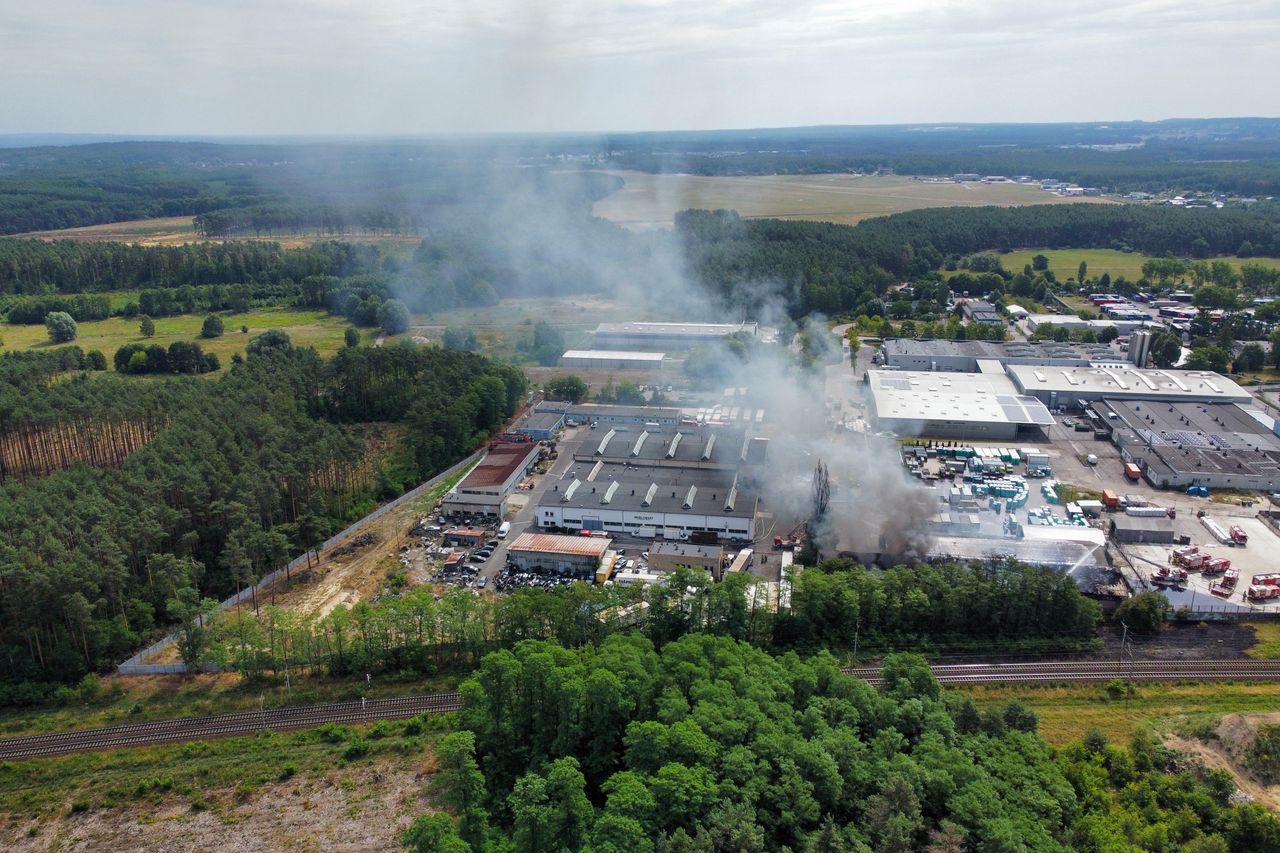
[(312, 328), (1065, 263), (176, 230), (651, 201)]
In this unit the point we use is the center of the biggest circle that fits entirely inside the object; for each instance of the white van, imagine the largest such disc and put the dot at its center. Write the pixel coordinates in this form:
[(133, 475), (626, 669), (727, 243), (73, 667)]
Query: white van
[(504, 529)]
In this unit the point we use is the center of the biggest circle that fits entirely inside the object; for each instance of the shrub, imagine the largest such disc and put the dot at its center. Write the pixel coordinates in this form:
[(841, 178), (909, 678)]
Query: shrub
[(61, 327), (358, 748), (212, 327)]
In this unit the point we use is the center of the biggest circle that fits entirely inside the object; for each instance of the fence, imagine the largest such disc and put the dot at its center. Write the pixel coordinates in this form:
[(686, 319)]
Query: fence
[(135, 665)]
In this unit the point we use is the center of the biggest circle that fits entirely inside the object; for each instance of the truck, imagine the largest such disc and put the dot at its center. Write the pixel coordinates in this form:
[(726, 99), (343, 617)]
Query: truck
[(503, 529), (1238, 536), (1215, 566), (1262, 593), (1167, 574), (1188, 555), (1133, 472), (1110, 499), (1270, 579)]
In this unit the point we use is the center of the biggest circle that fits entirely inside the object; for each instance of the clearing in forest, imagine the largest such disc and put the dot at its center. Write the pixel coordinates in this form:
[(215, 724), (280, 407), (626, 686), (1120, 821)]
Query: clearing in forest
[(651, 201)]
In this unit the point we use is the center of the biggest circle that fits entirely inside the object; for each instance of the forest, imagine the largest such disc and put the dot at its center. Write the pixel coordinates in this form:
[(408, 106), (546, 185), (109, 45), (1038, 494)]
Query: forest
[(119, 495), (836, 606), (706, 743)]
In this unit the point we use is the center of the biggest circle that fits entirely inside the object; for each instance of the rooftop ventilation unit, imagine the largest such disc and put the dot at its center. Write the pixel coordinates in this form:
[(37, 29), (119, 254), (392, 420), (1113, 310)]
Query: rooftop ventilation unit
[(635, 451), (650, 495), (609, 493), (689, 496), (604, 442)]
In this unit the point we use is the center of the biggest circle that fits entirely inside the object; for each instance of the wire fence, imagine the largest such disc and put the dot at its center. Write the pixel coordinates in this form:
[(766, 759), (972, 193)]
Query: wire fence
[(135, 665)]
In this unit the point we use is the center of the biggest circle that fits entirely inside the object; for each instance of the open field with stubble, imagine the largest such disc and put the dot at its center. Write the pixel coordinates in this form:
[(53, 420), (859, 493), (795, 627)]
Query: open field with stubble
[(651, 201), (176, 230)]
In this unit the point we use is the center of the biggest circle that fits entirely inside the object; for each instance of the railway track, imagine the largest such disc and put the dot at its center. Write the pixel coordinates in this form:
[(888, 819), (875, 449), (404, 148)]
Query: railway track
[(308, 716)]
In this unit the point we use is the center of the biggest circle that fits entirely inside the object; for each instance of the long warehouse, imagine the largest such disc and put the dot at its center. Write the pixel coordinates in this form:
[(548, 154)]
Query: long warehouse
[(603, 359), (665, 335), (1068, 387), (954, 405)]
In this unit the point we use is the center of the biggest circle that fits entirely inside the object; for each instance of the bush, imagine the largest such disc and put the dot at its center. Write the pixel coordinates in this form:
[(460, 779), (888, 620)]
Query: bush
[(62, 328), (95, 360), (212, 327), (146, 326), (358, 748), (1144, 613)]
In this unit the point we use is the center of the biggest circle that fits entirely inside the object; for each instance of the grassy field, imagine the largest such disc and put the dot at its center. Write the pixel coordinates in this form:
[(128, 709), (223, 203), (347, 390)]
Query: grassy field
[(1066, 713), (650, 201), (305, 327), (175, 230), (215, 775), (1268, 647), (1065, 263)]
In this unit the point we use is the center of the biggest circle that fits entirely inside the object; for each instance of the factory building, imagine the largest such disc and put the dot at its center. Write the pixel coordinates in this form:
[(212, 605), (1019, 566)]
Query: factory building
[(600, 359), (604, 415), (668, 556), (541, 426), (1179, 444), (1123, 325), (547, 553), (983, 406), (1060, 547), (1070, 387), (665, 336), (693, 448), (964, 356), (650, 501), (1137, 530), (484, 491)]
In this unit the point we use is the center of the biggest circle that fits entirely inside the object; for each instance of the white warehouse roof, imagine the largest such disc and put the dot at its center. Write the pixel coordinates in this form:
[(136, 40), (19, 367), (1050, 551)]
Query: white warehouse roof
[(972, 397), (615, 355), (1127, 382)]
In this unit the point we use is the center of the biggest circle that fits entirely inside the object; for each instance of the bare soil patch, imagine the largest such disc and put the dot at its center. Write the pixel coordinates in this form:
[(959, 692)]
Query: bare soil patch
[(1235, 735), (362, 809)]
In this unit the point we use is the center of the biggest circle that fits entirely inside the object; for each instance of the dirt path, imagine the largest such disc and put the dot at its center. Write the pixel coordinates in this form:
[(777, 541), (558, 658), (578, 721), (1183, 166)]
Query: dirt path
[(1235, 735)]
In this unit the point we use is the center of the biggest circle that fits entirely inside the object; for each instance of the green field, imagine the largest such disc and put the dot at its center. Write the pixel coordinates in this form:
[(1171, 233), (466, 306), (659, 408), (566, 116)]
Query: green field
[(305, 327), (1065, 263), (650, 201)]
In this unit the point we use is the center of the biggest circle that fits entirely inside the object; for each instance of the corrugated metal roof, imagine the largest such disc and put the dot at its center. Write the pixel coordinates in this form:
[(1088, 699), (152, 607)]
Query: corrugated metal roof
[(550, 543)]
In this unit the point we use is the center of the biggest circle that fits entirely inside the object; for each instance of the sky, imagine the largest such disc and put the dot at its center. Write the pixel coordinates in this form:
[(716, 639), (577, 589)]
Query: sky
[(155, 67)]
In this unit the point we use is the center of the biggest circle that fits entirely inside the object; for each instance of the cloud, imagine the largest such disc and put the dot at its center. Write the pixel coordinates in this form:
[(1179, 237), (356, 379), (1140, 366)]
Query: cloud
[(385, 66)]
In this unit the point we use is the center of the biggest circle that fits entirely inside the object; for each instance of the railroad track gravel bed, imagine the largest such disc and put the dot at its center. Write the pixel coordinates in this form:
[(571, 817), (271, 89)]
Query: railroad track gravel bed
[(308, 716)]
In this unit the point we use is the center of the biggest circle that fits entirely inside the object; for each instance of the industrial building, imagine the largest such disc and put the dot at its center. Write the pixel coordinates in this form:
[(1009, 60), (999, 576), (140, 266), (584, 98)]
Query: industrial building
[(588, 413), (650, 500), (1179, 444), (981, 311), (960, 405), (1070, 387), (1070, 321), (484, 491), (564, 555), (600, 359), (1137, 529), (664, 336), (541, 426), (668, 556), (964, 356), (689, 447)]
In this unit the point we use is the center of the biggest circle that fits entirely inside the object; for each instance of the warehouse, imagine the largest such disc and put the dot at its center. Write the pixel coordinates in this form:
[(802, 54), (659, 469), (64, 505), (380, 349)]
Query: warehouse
[(688, 447), (630, 415), (1072, 387), (960, 405), (601, 359), (1179, 444), (484, 491), (541, 426), (1074, 323), (664, 336), (648, 501), (963, 356), (1059, 547), (547, 553), (1135, 529)]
